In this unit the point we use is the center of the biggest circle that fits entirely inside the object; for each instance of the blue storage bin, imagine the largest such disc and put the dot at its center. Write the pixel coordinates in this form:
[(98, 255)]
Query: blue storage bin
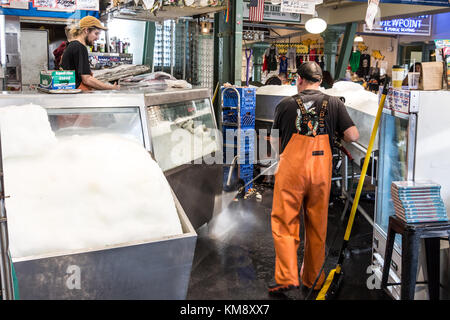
[(247, 106)]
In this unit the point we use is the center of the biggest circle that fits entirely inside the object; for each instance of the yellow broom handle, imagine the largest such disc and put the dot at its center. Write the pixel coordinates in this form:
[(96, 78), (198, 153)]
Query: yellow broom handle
[(215, 93), (364, 168)]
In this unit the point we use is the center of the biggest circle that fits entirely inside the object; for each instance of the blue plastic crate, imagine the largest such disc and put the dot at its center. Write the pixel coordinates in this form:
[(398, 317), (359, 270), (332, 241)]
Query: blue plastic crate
[(246, 171), (230, 116), (247, 95), (245, 158), (248, 119), (247, 101), (246, 174), (247, 135)]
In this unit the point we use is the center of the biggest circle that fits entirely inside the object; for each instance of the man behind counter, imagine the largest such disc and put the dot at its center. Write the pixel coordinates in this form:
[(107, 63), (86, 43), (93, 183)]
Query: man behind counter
[(76, 57)]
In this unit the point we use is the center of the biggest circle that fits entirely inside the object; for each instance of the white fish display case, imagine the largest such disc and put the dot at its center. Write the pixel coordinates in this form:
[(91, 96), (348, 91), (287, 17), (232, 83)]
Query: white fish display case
[(157, 268)]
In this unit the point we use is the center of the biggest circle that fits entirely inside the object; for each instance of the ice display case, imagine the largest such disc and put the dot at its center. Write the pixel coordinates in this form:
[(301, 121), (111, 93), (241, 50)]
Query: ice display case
[(414, 144), (151, 268), (183, 133)]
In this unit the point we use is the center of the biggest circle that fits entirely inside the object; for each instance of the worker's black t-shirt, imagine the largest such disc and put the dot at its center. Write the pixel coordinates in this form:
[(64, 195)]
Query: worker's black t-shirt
[(336, 119), (76, 58)]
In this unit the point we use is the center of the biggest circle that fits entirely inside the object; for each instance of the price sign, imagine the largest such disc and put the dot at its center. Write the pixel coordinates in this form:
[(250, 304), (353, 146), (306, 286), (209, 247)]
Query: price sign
[(44, 3), (296, 6), (69, 5), (91, 5)]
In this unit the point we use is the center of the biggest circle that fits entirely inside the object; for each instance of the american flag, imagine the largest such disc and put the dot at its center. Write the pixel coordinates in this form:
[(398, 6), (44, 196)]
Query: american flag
[(256, 10)]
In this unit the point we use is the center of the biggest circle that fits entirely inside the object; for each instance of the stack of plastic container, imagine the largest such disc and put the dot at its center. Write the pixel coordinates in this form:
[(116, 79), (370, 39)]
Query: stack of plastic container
[(418, 201), (238, 128)]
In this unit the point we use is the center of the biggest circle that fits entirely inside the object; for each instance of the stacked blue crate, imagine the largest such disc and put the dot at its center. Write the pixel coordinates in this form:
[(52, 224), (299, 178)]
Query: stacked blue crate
[(246, 125)]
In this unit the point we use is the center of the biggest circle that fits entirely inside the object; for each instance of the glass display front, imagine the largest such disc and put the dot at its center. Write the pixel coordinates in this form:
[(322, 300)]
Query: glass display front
[(182, 132), (125, 122), (392, 164)]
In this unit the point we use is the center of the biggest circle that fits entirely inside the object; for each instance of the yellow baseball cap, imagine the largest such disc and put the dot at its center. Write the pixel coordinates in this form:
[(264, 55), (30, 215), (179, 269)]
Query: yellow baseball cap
[(91, 22)]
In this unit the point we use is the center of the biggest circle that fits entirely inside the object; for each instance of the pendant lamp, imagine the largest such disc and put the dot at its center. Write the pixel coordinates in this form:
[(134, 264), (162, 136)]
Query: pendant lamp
[(315, 25)]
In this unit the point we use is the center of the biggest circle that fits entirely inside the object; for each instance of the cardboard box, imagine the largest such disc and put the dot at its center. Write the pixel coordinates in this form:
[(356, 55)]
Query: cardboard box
[(431, 76), (55, 79)]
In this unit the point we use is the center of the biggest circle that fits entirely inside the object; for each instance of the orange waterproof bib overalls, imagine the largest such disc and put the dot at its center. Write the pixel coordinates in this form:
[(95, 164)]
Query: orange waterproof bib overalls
[(303, 178)]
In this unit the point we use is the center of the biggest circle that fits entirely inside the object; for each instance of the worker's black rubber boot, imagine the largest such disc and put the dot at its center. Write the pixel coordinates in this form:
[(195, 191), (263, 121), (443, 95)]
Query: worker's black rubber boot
[(275, 288)]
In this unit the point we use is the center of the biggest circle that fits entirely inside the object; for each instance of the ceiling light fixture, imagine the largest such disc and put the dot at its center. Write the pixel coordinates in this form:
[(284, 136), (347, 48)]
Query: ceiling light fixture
[(358, 38), (315, 25)]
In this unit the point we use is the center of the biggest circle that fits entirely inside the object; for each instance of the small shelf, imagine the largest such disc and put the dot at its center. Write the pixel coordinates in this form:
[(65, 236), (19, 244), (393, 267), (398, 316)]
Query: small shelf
[(165, 13)]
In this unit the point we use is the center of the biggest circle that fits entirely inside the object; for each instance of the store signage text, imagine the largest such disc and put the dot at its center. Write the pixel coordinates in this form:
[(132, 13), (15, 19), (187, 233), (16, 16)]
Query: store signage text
[(411, 26), (273, 13)]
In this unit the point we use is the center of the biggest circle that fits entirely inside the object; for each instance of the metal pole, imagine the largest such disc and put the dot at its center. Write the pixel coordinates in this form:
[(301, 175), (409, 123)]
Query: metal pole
[(162, 44), (346, 50), (360, 209), (172, 50), (2, 52), (5, 263), (345, 182), (185, 30)]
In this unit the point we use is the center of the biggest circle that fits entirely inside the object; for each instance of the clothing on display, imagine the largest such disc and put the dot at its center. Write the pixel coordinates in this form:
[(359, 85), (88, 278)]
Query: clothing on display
[(298, 61), (265, 66), (291, 55), (312, 55), (272, 57), (322, 63), (364, 66), (355, 59), (374, 79), (283, 64)]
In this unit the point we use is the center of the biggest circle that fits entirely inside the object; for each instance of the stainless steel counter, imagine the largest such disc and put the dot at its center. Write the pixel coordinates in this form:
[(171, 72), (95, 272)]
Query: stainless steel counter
[(155, 269)]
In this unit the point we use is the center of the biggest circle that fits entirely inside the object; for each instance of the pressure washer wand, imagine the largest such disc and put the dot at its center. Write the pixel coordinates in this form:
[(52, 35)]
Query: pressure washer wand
[(259, 175)]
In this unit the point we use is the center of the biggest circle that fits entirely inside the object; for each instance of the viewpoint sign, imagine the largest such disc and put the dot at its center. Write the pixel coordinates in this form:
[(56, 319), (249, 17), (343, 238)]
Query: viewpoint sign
[(419, 26)]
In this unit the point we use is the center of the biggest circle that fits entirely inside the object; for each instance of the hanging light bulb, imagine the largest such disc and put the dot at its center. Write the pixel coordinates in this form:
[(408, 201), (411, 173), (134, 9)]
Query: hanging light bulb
[(315, 25), (358, 38), (206, 26)]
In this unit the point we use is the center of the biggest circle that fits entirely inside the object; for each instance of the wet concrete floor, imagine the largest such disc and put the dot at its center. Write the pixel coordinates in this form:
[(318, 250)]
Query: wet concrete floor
[(234, 257)]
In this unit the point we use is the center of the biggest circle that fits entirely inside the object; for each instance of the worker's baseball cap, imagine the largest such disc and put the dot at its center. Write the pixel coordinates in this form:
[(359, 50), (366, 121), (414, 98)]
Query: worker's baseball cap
[(310, 71), (91, 22)]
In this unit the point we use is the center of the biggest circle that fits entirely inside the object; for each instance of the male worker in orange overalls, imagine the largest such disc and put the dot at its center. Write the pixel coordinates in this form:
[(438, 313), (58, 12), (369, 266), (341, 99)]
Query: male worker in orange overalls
[(306, 123)]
